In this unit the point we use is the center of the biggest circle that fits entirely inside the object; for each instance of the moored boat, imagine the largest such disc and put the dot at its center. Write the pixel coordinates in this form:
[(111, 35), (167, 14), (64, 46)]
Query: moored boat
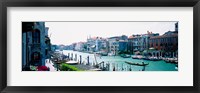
[(171, 60), (104, 54), (72, 62), (125, 56), (111, 54), (137, 64), (145, 58), (137, 57), (152, 58)]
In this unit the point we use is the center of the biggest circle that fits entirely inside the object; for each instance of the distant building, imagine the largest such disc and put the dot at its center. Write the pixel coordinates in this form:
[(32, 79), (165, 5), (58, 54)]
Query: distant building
[(113, 45), (139, 42), (117, 44), (96, 44), (104, 46), (80, 46), (53, 47), (91, 44), (123, 45), (130, 44), (61, 47)]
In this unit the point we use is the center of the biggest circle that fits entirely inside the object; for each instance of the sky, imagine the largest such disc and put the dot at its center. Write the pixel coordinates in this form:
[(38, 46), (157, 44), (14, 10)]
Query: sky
[(67, 33)]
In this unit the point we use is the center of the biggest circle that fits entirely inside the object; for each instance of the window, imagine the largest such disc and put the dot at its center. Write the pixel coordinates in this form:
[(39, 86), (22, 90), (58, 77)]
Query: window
[(36, 36), (36, 56)]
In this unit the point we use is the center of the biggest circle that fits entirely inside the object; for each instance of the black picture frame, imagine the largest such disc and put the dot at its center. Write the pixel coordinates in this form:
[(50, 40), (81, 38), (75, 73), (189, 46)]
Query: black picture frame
[(98, 3)]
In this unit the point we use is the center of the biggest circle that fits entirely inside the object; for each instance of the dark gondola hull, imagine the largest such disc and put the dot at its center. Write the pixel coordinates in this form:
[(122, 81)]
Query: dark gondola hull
[(137, 64)]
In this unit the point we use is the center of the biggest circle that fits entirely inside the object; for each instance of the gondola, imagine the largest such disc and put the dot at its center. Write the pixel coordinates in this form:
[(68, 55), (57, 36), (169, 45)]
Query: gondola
[(137, 64)]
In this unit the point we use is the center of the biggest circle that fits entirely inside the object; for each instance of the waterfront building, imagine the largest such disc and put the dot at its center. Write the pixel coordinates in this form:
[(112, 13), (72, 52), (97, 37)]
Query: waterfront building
[(34, 44), (103, 46), (130, 44), (61, 47), (139, 42), (27, 28), (96, 44), (38, 44), (145, 40), (70, 47), (123, 45), (123, 37), (73, 46), (113, 45), (117, 43), (165, 45), (91, 44), (53, 47), (80, 46)]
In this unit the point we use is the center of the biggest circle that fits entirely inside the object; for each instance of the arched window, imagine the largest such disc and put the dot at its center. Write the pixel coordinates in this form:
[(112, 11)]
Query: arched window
[(35, 56), (36, 36)]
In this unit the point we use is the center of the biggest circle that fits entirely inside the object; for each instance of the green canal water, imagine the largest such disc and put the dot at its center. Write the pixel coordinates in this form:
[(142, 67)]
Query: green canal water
[(119, 62)]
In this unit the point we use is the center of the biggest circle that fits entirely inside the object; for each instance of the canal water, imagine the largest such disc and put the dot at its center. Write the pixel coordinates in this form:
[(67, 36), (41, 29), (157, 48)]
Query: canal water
[(119, 64)]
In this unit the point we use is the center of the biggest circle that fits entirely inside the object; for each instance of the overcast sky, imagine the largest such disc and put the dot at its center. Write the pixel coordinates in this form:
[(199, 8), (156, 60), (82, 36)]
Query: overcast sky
[(69, 32)]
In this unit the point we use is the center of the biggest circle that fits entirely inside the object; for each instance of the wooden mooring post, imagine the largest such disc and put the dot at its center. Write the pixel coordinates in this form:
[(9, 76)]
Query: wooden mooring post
[(71, 56), (88, 59), (80, 59), (108, 67), (114, 69), (68, 55), (130, 68), (103, 64), (122, 67), (75, 57)]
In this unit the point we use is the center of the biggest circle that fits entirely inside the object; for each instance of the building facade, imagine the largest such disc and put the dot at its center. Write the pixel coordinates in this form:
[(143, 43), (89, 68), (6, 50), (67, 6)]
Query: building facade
[(130, 44), (123, 46), (113, 45), (96, 44), (165, 45), (80, 46), (35, 44), (140, 42), (117, 44)]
